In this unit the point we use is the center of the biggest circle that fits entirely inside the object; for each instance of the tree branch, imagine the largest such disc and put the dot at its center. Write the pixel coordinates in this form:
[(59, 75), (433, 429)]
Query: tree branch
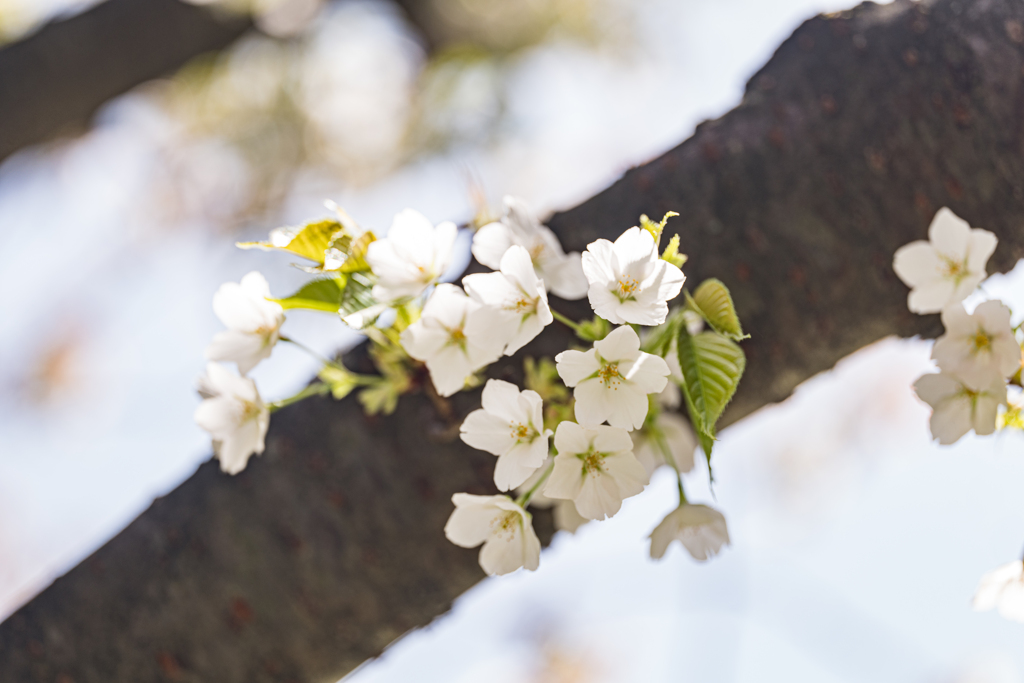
[(52, 82), (330, 545)]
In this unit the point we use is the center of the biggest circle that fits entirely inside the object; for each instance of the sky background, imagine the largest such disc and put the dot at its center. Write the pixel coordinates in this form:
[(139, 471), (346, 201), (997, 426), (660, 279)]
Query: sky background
[(856, 543)]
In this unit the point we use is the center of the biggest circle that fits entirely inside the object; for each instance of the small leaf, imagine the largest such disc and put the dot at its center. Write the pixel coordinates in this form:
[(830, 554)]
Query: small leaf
[(309, 241), (355, 251), (712, 366), (656, 228), (671, 253), (325, 294), (713, 301)]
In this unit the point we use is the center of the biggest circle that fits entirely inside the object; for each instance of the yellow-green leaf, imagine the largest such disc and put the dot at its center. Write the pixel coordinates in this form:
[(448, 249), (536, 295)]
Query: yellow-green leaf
[(309, 241), (324, 294), (713, 301)]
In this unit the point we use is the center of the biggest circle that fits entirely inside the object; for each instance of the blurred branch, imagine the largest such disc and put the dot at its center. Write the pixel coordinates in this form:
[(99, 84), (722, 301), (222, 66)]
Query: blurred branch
[(52, 82), (330, 545)]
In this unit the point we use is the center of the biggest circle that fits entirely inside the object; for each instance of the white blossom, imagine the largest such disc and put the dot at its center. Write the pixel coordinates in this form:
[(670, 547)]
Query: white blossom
[(505, 529), (701, 530), (511, 426), (667, 432), (253, 322), (412, 256), (451, 339), (977, 345), (1003, 589), (562, 273), (234, 415), (595, 468), (960, 404), (629, 283), (612, 379), (948, 267), (564, 511), (515, 302)]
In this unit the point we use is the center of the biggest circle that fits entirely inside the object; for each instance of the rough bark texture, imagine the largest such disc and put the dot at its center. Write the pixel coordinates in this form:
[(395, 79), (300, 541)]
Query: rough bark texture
[(330, 545), (52, 82)]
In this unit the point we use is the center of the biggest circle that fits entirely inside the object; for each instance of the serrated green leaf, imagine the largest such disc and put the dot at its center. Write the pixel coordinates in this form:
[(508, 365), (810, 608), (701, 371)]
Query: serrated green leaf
[(713, 301), (712, 366), (324, 294), (310, 241), (355, 252)]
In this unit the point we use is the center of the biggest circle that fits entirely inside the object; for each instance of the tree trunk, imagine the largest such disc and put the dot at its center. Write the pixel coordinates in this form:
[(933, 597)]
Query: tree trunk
[(330, 546)]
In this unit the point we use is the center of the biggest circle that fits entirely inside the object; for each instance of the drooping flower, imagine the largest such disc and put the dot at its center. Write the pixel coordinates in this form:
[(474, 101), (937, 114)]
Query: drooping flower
[(562, 273), (629, 283), (234, 415), (253, 322), (451, 339), (960, 404), (612, 379), (595, 468), (511, 426), (666, 436), (505, 529), (948, 267), (1003, 589), (412, 256), (514, 300), (977, 345), (701, 530)]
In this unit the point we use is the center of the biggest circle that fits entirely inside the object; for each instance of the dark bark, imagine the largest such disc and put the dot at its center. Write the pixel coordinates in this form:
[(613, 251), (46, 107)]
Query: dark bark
[(330, 545), (52, 82)]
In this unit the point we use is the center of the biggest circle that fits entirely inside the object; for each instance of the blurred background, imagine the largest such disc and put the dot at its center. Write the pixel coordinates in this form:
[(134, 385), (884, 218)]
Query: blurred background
[(857, 544)]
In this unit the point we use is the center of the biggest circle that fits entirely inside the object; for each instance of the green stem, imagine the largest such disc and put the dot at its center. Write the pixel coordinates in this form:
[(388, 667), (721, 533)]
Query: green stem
[(308, 350), (318, 389), (574, 326), (682, 494), (524, 500)]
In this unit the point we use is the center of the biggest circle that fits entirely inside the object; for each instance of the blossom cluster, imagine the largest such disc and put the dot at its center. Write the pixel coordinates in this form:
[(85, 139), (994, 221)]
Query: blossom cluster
[(590, 426), (979, 357)]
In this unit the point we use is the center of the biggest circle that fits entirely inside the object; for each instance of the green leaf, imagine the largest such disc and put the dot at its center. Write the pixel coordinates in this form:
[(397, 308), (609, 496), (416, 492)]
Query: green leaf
[(655, 228), (712, 366), (713, 301), (309, 241), (355, 252), (671, 253), (325, 294)]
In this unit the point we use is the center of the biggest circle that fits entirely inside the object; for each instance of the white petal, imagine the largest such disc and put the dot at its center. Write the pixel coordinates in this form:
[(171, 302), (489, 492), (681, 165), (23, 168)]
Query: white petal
[(599, 496), (599, 263), (487, 432), (635, 246), (628, 473), (981, 244), (471, 522), (575, 366), (649, 373), (566, 478), (621, 344), (571, 438), (606, 305), (932, 297), (595, 404), (917, 264), (490, 243), (949, 234), (566, 278)]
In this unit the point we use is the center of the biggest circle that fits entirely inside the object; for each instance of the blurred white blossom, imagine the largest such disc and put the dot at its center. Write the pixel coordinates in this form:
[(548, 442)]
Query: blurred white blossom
[(234, 415), (253, 322), (511, 426), (979, 344), (613, 379), (948, 267), (1002, 589), (514, 300), (667, 435), (504, 528), (451, 339), (629, 283), (701, 530), (412, 256), (960, 405)]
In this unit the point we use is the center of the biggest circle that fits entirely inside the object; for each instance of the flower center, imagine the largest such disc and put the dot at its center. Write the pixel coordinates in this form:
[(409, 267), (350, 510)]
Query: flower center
[(954, 270), (593, 462), (457, 337), (519, 431), (505, 526), (610, 376), (981, 341), (522, 305), (628, 287), (250, 411)]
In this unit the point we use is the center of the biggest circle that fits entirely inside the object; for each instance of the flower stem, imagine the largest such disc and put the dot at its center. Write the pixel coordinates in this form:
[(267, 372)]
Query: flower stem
[(318, 389), (575, 327), (308, 350), (524, 500)]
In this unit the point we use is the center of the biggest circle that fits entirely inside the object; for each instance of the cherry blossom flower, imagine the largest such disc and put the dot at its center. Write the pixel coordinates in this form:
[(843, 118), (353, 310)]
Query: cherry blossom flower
[(595, 467), (505, 529), (629, 283), (977, 345), (253, 322), (948, 267), (960, 404), (667, 431), (514, 299), (451, 339), (612, 379), (234, 415), (701, 530), (511, 426), (412, 256), (562, 273), (1003, 589), (564, 511)]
